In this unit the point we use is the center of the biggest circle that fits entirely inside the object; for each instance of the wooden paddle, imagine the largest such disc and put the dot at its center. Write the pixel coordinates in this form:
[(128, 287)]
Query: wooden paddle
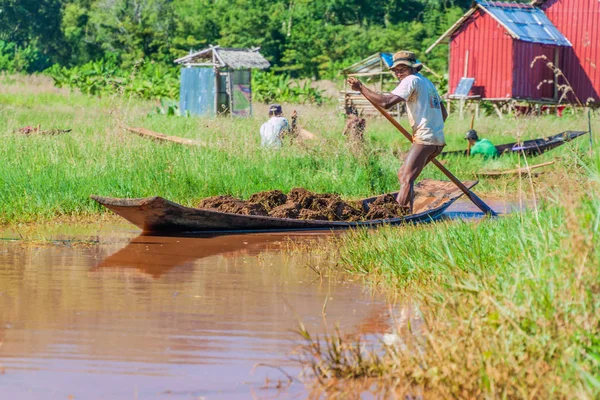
[(472, 196)]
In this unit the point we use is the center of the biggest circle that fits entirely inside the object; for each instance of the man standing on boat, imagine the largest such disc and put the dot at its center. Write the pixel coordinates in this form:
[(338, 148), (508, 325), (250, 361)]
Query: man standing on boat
[(426, 114)]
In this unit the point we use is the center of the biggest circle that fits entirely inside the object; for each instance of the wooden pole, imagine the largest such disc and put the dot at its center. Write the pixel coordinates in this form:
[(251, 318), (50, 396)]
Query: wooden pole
[(498, 111), (590, 130), (472, 196)]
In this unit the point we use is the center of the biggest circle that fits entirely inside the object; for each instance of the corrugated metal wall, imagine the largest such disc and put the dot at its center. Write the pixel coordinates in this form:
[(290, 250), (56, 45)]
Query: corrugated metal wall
[(579, 21), (490, 57), (197, 91), (528, 82)]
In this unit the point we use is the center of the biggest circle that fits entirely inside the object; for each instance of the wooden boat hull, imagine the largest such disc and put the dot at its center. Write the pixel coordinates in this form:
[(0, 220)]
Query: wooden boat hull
[(533, 147), (158, 215)]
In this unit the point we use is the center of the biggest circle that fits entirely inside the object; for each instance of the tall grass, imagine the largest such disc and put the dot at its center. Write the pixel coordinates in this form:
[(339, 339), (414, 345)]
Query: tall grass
[(510, 306), (44, 177)]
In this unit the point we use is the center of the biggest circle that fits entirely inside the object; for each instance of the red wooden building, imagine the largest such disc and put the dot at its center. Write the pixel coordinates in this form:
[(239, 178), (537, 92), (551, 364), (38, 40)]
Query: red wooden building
[(496, 43), (579, 22)]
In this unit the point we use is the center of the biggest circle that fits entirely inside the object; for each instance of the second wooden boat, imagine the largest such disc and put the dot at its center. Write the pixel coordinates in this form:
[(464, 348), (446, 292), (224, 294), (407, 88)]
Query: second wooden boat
[(533, 147)]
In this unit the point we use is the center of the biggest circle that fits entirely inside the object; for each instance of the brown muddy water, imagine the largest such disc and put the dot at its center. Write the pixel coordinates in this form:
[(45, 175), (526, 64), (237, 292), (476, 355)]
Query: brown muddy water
[(145, 317), (103, 313)]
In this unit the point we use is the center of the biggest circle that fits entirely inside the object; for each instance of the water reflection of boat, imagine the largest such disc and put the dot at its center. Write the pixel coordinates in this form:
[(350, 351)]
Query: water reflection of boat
[(155, 255), (533, 147), (155, 214)]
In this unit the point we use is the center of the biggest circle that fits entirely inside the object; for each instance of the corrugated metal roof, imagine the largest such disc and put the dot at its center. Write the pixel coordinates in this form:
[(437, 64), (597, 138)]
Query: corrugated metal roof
[(371, 64), (227, 57), (525, 22)]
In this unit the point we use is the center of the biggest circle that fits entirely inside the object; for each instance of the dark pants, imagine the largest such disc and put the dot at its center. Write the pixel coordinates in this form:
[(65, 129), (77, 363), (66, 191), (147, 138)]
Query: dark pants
[(417, 158)]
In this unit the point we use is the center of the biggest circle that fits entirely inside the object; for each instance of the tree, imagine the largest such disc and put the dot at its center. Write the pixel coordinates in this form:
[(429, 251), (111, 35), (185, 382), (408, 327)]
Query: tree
[(134, 29), (34, 24)]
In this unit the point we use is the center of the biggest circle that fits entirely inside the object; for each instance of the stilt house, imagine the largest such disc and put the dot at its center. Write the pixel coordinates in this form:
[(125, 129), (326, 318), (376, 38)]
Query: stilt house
[(505, 47), (218, 80), (579, 21), (375, 72)]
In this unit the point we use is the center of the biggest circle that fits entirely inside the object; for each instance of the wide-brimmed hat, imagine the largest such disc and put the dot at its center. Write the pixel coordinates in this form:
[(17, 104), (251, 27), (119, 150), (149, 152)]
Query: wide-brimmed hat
[(408, 58), (472, 135)]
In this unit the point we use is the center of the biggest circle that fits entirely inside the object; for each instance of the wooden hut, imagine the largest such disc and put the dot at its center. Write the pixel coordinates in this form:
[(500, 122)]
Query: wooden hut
[(496, 43), (217, 80), (374, 71), (579, 22)]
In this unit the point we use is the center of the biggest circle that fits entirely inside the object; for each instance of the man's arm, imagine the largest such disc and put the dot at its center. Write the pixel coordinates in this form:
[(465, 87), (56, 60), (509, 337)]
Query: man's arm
[(384, 101), (444, 111), (285, 129)]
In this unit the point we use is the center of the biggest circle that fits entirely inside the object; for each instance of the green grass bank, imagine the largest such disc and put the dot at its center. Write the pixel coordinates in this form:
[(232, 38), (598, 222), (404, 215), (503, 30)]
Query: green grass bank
[(510, 307), (42, 177)]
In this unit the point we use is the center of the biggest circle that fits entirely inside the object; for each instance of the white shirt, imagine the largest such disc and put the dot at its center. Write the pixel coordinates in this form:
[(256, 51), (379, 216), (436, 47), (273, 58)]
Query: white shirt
[(423, 109), (272, 131)]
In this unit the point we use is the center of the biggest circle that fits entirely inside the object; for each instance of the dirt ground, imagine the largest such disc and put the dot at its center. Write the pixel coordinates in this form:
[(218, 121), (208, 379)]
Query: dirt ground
[(300, 203)]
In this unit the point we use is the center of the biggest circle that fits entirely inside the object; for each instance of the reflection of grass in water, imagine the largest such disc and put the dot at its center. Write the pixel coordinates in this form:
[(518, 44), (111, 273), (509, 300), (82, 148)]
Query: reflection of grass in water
[(45, 177), (509, 306)]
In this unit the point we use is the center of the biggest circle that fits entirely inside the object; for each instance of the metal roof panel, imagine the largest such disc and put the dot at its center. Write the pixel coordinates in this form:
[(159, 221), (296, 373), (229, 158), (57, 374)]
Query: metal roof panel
[(527, 23)]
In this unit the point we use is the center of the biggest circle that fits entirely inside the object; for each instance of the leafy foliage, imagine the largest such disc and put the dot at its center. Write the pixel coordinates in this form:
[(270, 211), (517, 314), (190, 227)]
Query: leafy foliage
[(147, 80), (169, 108), (268, 87), (20, 59), (304, 39)]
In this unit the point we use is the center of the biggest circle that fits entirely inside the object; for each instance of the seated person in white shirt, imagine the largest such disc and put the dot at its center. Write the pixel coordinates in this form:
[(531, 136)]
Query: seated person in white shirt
[(272, 131)]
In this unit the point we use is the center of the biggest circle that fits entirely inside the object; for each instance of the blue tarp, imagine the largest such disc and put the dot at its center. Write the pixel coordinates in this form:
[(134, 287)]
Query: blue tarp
[(529, 23), (388, 58)]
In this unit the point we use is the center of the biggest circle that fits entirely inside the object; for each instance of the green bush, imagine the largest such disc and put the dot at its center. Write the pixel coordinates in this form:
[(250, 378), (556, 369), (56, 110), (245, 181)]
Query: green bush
[(20, 59), (147, 80), (267, 87)]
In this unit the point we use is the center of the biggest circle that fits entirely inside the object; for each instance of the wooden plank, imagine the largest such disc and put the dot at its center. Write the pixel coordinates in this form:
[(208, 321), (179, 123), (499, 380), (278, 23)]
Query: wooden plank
[(164, 138), (517, 171), (306, 135)]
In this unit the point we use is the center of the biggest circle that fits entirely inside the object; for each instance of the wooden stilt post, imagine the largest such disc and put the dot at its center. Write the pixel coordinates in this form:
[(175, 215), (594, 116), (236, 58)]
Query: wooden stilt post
[(590, 130), (498, 111)]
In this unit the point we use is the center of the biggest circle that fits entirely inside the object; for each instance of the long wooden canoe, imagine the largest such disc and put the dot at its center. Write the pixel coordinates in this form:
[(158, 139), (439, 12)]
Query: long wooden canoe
[(158, 215), (533, 147)]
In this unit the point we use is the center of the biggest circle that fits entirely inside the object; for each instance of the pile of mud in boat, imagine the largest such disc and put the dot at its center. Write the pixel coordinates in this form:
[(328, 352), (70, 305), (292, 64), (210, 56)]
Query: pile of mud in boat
[(275, 211), (300, 203)]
